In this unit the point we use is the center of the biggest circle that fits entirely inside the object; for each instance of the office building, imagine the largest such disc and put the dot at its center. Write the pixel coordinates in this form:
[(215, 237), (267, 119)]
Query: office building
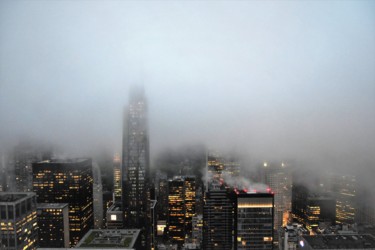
[(218, 219), (181, 208), (18, 221), (218, 167), (254, 214), (117, 178), (344, 190), (136, 163), (336, 242), (53, 225), (67, 181), (98, 197), (310, 208), (162, 200), (279, 179)]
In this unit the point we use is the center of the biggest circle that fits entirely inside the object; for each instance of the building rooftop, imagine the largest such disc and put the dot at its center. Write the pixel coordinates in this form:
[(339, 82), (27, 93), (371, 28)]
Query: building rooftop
[(109, 238), (116, 207), (354, 241), (14, 196), (75, 160), (51, 205)]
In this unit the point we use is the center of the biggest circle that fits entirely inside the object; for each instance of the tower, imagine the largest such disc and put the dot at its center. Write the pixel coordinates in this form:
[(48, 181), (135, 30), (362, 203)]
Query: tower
[(135, 163)]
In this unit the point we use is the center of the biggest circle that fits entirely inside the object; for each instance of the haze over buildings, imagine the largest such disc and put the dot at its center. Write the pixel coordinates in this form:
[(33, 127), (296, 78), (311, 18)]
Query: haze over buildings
[(287, 79), (220, 88)]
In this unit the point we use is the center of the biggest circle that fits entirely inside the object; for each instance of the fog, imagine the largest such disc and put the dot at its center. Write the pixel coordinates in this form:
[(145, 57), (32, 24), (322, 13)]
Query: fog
[(271, 80)]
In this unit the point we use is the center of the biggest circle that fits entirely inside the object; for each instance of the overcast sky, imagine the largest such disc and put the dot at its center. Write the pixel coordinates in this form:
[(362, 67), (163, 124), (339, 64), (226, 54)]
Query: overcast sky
[(276, 79)]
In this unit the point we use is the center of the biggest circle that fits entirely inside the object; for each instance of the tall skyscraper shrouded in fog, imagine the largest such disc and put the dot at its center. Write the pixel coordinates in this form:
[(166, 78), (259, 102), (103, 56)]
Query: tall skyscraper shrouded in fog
[(135, 161)]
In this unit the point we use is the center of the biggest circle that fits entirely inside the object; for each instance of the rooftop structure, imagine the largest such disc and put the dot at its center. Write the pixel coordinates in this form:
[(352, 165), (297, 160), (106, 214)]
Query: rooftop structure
[(354, 241), (114, 217), (126, 239)]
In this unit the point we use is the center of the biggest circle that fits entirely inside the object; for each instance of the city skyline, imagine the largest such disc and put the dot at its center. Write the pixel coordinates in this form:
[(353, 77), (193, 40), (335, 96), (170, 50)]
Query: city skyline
[(274, 80)]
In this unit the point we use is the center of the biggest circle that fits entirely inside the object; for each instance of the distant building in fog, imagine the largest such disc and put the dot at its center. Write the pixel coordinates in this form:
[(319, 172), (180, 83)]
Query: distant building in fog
[(24, 154), (344, 190), (279, 178), (311, 209), (218, 167), (117, 178), (98, 196), (67, 181)]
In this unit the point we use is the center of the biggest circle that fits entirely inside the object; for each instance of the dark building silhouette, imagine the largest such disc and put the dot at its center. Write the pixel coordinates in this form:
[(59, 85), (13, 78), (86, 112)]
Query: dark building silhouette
[(67, 181), (218, 219), (310, 208)]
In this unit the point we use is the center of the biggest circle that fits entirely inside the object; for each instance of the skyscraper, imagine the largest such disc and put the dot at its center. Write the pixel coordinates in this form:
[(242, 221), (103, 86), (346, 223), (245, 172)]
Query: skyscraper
[(67, 181), (218, 219), (254, 221), (181, 207), (135, 162)]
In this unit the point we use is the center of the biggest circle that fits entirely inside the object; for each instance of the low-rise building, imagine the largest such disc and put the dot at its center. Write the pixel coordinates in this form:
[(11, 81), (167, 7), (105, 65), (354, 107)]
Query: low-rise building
[(126, 239)]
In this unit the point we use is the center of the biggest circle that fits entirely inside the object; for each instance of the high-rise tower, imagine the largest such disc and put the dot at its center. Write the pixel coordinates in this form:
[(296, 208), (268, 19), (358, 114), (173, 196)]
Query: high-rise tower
[(135, 161)]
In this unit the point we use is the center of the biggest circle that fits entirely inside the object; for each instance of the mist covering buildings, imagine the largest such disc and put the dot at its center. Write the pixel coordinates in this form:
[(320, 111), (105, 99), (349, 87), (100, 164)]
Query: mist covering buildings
[(241, 97)]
